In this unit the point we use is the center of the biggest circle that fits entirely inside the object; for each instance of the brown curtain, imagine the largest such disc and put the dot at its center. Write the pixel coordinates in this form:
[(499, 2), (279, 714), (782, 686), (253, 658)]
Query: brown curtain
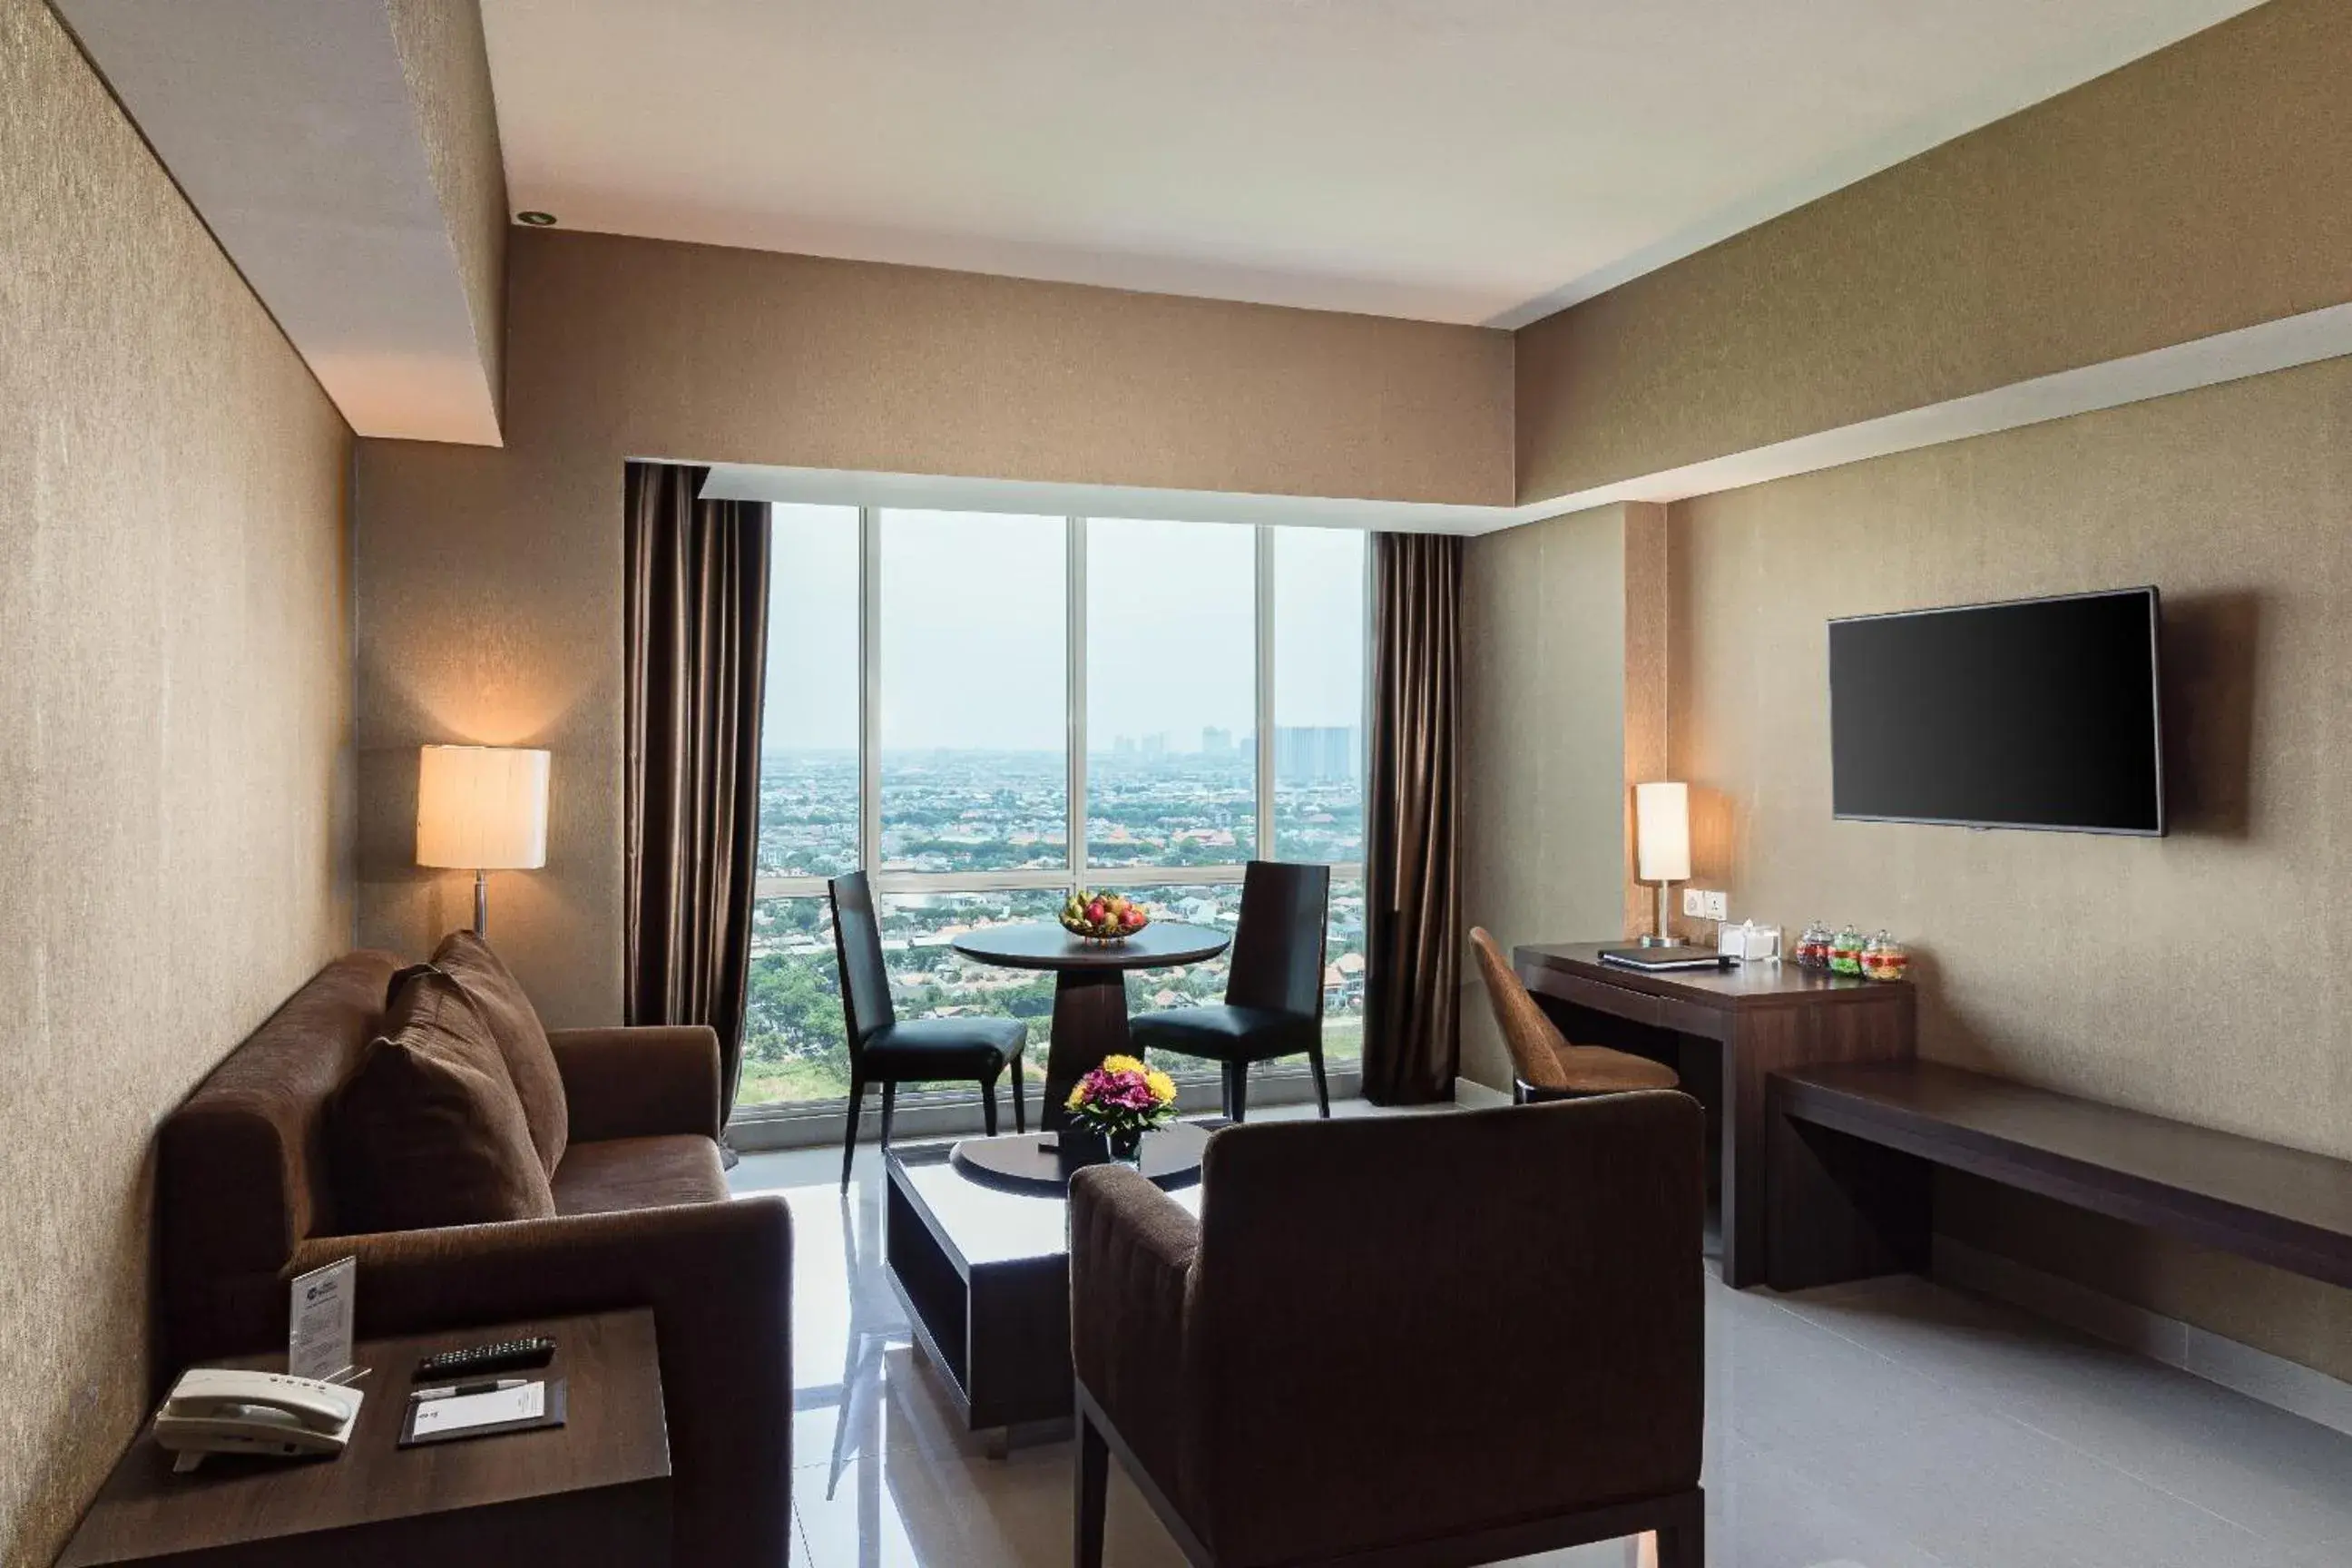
[(1413, 914), (697, 634)]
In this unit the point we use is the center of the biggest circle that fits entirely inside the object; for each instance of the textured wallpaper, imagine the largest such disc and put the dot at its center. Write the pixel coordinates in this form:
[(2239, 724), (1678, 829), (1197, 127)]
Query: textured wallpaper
[(490, 580), (2196, 191), (1547, 736), (449, 72), (174, 733), (2202, 975)]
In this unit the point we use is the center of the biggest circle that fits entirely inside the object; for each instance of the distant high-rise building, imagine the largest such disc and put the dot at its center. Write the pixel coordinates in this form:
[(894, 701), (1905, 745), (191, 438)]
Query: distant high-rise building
[(1155, 745), (1122, 746), (1315, 753), (1216, 743)]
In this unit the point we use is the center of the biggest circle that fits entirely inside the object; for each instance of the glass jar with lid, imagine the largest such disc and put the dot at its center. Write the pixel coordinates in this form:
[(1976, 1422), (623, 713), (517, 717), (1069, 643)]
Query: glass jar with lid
[(1883, 958), (1845, 951)]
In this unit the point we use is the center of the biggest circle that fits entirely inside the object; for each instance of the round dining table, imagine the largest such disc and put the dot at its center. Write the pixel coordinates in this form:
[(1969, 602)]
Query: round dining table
[(1089, 987)]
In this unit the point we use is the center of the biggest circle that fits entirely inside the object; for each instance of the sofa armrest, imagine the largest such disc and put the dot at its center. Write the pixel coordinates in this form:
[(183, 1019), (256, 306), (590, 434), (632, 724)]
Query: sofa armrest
[(1131, 1250), (641, 1081), (718, 1280)]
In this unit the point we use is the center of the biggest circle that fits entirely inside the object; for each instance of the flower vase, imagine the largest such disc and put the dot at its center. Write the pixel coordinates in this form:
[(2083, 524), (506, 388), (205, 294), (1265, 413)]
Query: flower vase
[(1127, 1148)]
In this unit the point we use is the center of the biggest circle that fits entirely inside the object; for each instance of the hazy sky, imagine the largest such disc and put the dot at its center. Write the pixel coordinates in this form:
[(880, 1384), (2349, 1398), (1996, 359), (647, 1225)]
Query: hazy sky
[(973, 621)]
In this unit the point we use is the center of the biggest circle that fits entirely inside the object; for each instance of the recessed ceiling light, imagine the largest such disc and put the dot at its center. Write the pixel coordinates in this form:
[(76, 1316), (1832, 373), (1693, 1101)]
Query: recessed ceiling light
[(537, 220)]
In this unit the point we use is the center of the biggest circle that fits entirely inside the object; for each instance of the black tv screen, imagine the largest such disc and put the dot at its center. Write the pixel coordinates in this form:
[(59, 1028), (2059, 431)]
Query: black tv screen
[(2036, 713)]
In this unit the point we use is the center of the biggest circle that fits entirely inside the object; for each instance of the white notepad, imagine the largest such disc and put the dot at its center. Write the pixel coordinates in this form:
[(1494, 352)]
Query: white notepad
[(462, 1412)]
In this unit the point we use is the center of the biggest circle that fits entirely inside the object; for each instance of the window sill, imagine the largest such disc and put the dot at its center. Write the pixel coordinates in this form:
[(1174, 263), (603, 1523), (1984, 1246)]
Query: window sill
[(955, 1112)]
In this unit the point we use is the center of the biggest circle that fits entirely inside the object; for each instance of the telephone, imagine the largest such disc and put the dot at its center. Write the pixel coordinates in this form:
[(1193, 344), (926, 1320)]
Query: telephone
[(215, 1410)]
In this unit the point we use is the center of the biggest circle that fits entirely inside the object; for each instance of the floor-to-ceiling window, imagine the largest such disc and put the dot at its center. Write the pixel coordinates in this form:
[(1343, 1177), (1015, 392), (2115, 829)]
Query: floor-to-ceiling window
[(985, 711)]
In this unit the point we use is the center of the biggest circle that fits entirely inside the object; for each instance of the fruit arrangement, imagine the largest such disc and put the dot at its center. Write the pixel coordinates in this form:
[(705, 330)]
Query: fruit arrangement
[(1102, 917)]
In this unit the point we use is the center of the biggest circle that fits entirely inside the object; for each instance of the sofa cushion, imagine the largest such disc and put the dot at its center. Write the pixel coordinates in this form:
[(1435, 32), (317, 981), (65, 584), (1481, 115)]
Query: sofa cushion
[(429, 1131), (620, 1174), (522, 1040)]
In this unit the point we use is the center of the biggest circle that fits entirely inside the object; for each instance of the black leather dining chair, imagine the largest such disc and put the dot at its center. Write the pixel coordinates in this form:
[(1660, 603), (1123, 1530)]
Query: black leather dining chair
[(1274, 992), (885, 1051)]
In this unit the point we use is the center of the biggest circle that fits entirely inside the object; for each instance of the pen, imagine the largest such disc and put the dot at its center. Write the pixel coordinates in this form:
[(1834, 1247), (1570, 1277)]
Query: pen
[(493, 1386)]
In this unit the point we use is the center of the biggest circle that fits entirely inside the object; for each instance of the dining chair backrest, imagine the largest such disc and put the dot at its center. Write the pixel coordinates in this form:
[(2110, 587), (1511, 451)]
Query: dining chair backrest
[(1278, 942), (1533, 1039), (857, 945)]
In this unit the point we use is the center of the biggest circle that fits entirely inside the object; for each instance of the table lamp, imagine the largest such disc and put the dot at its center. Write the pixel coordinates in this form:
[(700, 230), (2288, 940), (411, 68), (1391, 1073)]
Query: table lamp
[(481, 809), (1662, 846)]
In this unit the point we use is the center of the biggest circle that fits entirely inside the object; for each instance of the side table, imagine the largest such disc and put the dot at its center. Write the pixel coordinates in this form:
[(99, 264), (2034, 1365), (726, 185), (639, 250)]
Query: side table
[(593, 1492)]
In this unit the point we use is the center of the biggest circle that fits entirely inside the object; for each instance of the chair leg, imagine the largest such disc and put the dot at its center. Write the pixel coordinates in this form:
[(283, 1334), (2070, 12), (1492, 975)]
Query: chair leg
[(988, 1105), (1322, 1090), (1684, 1545), (849, 1133), (1019, 1100), (1093, 1491), (889, 1104), (1237, 1091)]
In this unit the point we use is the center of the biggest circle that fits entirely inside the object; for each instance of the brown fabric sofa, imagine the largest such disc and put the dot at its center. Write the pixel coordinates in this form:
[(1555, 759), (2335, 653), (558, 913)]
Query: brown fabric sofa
[(1448, 1339), (244, 1198)]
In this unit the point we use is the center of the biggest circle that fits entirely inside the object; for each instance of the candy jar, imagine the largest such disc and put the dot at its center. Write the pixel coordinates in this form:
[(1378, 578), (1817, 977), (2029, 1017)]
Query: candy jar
[(1813, 947), (1883, 958), (1845, 951)]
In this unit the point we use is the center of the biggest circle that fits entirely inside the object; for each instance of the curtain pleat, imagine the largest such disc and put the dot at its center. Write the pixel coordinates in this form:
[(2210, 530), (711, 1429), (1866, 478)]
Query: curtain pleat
[(696, 606), (1412, 912)]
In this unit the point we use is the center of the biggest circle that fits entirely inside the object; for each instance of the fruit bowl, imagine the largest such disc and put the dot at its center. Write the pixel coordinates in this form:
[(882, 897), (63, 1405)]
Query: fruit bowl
[(1102, 917)]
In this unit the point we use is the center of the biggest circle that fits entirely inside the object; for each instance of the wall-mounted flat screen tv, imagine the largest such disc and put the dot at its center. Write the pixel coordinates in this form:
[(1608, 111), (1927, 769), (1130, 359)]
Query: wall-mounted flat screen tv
[(2034, 713)]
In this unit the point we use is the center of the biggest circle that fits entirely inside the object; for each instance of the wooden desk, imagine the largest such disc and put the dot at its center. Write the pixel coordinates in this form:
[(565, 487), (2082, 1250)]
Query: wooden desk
[(1767, 1017), (593, 1492)]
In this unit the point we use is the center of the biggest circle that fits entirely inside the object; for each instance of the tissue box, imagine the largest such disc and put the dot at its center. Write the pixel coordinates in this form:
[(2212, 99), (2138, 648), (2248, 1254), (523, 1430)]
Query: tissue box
[(1749, 943)]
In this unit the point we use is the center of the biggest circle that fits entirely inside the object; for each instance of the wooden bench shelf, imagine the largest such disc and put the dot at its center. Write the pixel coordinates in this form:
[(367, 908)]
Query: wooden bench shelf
[(1850, 1146)]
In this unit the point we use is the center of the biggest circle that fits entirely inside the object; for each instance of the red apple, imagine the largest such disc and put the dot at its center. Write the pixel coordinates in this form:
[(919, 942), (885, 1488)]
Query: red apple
[(1096, 912), (1134, 917)]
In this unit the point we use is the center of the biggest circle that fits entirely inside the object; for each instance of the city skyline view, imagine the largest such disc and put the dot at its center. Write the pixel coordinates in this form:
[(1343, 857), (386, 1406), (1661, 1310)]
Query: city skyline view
[(975, 673), (970, 596)]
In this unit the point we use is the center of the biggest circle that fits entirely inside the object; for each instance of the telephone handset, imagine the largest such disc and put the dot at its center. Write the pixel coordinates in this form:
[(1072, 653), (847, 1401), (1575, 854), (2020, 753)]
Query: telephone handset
[(215, 1410)]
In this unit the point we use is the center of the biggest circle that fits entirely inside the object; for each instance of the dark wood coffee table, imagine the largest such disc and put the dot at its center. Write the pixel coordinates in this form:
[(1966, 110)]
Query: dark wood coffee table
[(595, 1491), (983, 1270)]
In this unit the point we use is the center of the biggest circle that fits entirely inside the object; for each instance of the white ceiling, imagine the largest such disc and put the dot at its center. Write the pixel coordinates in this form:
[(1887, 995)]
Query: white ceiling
[(1450, 160)]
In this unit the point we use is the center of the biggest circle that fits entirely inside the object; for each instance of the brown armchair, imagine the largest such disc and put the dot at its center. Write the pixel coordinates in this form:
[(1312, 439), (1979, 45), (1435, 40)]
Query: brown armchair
[(245, 1201), (1307, 1374)]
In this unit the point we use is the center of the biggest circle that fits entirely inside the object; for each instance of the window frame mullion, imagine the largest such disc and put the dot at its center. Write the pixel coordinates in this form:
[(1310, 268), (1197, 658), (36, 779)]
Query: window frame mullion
[(1263, 590), (1075, 652), (869, 690)]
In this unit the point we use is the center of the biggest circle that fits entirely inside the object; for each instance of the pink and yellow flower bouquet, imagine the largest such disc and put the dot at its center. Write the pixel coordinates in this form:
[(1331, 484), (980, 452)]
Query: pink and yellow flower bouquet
[(1121, 1101)]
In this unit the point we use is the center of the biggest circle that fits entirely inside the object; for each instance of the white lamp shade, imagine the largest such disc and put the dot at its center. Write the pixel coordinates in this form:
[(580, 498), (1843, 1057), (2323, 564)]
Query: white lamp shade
[(1662, 832), (481, 808)]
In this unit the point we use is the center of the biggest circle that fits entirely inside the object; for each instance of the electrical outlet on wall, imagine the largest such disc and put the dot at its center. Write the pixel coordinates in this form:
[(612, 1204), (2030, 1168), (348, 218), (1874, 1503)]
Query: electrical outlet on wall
[(1719, 906), (1694, 903)]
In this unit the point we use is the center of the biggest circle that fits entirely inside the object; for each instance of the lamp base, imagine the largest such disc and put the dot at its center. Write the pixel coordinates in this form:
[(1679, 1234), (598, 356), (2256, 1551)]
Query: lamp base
[(1664, 935), (482, 904)]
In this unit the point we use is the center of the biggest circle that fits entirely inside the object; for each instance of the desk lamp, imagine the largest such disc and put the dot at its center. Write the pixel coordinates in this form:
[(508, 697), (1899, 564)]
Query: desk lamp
[(1662, 846)]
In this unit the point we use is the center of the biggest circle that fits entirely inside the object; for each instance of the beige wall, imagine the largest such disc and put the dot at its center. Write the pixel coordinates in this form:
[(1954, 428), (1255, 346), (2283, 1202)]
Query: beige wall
[(174, 769), (2196, 191), (2197, 976), (448, 72), (1564, 707), (491, 581)]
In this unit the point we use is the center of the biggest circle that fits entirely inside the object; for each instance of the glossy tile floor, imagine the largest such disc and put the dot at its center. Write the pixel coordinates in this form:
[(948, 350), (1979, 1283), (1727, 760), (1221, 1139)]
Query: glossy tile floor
[(1894, 1424)]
